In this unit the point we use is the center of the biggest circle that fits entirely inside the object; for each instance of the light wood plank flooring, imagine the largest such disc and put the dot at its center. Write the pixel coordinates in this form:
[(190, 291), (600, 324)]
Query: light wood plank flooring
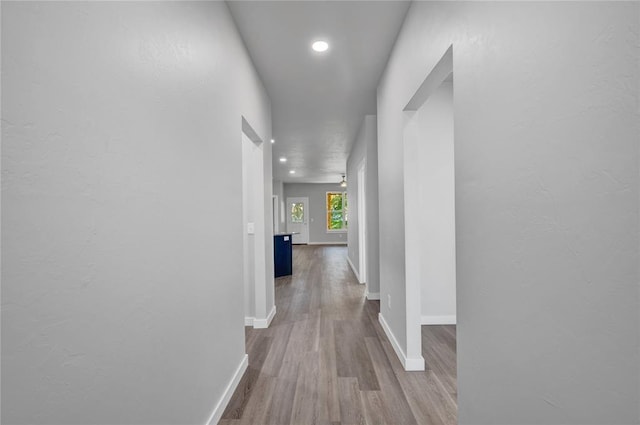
[(326, 360)]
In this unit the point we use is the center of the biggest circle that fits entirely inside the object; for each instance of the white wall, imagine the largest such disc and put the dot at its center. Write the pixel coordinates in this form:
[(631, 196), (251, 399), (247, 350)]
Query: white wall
[(435, 225), (365, 148), (121, 250), (317, 193), (266, 307), (356, 156), (546, 160), (278, 190)]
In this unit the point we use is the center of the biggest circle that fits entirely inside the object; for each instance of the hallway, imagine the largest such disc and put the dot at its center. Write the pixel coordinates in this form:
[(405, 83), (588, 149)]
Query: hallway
[(326, 360)]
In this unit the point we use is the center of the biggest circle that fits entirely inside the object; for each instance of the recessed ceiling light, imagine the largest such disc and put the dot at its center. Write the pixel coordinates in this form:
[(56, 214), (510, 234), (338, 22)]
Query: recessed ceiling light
[(283, 159), (320, 46), (273, 141), (292, 171)]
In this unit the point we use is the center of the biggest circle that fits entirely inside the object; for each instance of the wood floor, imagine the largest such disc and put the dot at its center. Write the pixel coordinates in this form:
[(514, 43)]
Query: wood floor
[(326, 360)]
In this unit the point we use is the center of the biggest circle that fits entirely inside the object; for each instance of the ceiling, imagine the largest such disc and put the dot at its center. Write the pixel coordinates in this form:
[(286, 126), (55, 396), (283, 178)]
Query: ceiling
[(318, 100)]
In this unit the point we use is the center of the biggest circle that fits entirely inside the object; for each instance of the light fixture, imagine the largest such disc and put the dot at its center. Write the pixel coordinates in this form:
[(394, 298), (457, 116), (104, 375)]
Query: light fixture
[(320, 46), (283, 159), (343, 183), (292, 171), (272, 141)]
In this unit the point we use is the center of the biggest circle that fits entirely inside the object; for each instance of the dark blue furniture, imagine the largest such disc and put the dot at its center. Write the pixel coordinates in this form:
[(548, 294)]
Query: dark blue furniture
[(282, 254)]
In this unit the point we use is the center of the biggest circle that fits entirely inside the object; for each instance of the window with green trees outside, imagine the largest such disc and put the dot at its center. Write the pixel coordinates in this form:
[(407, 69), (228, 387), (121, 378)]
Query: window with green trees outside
[(336, 211)]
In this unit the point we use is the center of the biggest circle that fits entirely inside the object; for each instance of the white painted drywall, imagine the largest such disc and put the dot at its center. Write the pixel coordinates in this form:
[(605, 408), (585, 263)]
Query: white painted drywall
[(356, 157), (267, 293), (546, 160), (365, 148), (434, 223), (317, 194), (278, 190), (121, 249), (248, 215)]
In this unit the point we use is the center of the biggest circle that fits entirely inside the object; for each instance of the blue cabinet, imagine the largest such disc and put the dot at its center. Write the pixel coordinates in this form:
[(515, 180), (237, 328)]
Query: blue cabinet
[(282, 254)]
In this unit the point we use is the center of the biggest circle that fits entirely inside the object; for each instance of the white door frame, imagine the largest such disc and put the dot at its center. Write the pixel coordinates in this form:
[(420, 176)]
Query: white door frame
[(362, 222), (302, 237)]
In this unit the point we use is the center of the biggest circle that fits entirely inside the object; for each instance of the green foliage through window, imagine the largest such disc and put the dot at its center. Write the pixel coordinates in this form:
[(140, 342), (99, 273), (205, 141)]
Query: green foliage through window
[(297, 212), (336, 210)]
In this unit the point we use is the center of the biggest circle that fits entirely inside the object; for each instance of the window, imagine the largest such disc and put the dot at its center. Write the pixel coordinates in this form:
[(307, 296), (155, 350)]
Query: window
[(297, 212), (337, 211)]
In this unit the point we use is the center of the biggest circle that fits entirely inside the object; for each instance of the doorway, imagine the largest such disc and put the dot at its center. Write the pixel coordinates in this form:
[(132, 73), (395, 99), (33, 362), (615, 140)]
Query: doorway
[(437, 256), (252, 211), (257, 231), (429, 207), (297, 219)]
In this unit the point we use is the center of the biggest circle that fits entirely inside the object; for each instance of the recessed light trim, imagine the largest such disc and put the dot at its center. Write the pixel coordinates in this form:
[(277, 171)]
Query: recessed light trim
[(272, 141), (320, 46), (292, 171), (283, 159)]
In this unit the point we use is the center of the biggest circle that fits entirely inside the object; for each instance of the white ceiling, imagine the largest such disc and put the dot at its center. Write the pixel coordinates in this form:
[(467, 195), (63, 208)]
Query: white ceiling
[(318, 100)]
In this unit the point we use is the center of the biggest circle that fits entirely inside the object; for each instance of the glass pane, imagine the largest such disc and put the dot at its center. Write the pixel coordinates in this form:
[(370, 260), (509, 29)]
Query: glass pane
[(334, 220), (297, 212), (334, 201), (345, 211)]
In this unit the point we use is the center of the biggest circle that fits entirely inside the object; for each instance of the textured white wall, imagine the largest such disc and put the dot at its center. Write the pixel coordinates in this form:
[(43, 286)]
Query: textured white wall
[(373, 222), (278, 189), (546, 147), (267, 291), (357, 155), (365, 147), (121, 250)]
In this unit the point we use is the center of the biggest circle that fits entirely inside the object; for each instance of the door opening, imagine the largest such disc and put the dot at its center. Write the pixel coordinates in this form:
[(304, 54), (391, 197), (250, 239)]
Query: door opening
[(257, 222), (431, 224), (429, 210), (297, 219)]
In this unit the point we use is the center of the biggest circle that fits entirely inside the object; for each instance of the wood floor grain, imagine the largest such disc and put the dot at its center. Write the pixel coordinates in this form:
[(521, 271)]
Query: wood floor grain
[(326, 360)]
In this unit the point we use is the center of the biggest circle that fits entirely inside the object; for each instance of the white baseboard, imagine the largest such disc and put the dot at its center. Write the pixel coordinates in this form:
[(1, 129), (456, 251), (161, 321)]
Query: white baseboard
[(327, 243), (248, 321), (353, 269), (438, 320), (409, 363), (264, 323), (372, 295), (228, 392)]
